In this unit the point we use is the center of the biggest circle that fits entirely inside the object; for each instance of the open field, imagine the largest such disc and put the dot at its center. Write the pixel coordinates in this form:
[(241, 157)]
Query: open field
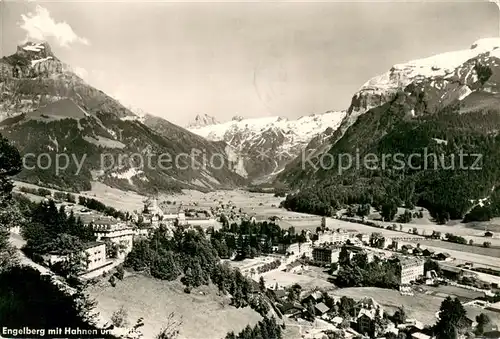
[(491, 252), (285, 279), (333, 223), (461, 257), (261, 204), (244, 199), (121, 200), (480, 226), (204, 316), (454, 291), (470, 231), (422, 307)]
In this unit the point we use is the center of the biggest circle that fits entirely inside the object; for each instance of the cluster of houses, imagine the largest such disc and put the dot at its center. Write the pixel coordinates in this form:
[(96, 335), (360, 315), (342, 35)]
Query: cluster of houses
[(176, 215), (109, 232), (120, 235), (362, 321), (323, 249), (326, 249)]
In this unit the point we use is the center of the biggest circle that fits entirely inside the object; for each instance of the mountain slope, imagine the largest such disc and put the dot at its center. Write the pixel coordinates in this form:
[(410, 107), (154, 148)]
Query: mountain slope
[(447, 76), (443, 105), (51, 114), (266, 145)]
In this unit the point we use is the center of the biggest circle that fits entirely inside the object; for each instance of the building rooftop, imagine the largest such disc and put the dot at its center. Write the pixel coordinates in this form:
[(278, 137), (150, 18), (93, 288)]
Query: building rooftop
[(86, 246), (418, 335), (91, 244), (109, 229), (368, 302), (290, 306), (316, 295), (409, 261), (368, 313), (322, 307)]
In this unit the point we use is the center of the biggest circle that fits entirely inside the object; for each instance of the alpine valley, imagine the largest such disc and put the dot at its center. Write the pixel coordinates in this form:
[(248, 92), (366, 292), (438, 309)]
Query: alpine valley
[(434, 109), (47, 109), (444, 105), (265, 145)]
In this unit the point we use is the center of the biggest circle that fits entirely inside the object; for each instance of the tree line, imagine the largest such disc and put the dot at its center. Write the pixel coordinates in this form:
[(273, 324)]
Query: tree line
[(98, 206), (251, 239), (266, 328), (28, 298), (447, 194), (358, 271), (190, 256)]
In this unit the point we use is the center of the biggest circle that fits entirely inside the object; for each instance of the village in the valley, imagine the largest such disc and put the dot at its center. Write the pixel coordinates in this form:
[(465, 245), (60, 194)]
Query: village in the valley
[(310, 275)]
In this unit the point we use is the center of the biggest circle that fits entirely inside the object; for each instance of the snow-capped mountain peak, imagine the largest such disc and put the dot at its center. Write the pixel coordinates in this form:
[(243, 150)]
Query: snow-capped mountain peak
[(35, 50), (438, 65), (202, 121), (279, 138), (301, 129), (443, 77)]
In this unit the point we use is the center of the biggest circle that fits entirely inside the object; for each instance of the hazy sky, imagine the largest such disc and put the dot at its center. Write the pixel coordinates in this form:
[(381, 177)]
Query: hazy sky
[(177, 60)]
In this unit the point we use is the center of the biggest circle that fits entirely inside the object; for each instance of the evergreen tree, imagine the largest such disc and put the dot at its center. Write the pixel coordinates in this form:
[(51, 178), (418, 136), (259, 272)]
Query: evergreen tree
[(451, 319), (482, 320), (10, 165), (262, 284), (344, 257), (389, 210)]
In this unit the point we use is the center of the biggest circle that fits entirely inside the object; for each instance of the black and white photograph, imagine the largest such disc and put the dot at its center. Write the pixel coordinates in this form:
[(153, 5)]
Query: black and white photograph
[(244, 169)]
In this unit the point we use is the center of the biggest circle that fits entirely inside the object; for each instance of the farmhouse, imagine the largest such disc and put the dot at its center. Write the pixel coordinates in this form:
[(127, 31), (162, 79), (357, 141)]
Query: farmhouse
[(291, 309), (495, 307), (314, 297)]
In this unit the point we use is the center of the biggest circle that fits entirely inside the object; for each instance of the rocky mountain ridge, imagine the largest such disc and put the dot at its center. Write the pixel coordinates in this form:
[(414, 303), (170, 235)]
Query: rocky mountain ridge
[(445, 105), (48, 109), (265, 145), (202, 121), (448, 77)]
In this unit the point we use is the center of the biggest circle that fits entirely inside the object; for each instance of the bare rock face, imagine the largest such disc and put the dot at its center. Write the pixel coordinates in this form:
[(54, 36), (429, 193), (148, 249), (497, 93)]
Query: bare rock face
[(438, 81), (34, 59), (266, 145), (368, 98), (202, 121), (33, 77), (237, 118)]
